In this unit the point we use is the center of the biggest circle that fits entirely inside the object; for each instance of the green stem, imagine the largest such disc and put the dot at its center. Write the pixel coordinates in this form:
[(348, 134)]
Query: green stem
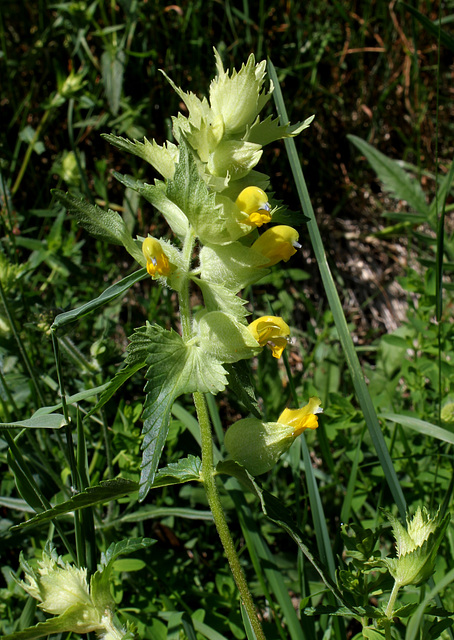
[(209, 482), (389, 611), (183, 293)]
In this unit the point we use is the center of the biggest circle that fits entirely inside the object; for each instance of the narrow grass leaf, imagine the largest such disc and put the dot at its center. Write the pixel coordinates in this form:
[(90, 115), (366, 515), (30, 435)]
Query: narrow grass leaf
[(446, 39), (356, 373), (49, 421), (421, 426), (104, 492), (111, 293), (413, 627), (318, 515), (150, 513), (395, 179)]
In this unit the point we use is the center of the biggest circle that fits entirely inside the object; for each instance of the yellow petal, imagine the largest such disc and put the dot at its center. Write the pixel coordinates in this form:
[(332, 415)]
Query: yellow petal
[(254, 202), (277, 243), (304, 418), (157, 261), (272, 330)]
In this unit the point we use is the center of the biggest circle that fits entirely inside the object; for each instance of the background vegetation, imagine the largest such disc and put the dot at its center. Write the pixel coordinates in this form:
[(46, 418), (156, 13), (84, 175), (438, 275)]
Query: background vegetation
[(365, 68)]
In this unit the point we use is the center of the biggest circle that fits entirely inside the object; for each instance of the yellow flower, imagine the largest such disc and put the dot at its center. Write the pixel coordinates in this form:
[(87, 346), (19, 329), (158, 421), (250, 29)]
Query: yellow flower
[(258, 445), (157, 261), (304, 418), (272, 330), (277, 243), (254, 202)]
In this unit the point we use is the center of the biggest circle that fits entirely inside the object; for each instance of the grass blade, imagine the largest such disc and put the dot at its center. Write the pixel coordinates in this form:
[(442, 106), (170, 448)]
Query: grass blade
[(356, 373)]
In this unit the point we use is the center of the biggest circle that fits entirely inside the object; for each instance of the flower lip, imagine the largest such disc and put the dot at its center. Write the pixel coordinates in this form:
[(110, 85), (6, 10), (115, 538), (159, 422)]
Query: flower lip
[(254, 202), (304, 418), (273, 331), (157, 261)]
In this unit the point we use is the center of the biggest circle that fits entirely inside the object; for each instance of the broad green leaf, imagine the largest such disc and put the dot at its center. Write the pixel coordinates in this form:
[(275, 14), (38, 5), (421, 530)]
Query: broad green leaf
[(184, 470), (395, 180), (421, 426), (117, 381), (104, 492), (49, 421), (111, 293), (105, 225), (161, 158), (175, 367)]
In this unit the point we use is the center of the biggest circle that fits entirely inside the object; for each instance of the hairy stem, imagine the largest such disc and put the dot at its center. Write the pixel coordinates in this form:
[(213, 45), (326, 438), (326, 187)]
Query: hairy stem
[(209, 482)]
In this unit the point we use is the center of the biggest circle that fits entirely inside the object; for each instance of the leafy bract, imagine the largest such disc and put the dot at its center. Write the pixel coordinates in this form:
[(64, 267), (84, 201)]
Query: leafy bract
[(161, 158), (217, 297), (234, 266), (100, 580), (269, 130), (105, 225), (213, 221), (156, 195), (175, 367), (104, 492)]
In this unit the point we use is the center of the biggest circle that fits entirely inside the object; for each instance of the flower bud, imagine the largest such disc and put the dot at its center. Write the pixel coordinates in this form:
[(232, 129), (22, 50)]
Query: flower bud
[(417, 546), (277, 243), (157, 261), (254, 202), (271, 330), (258, 445)]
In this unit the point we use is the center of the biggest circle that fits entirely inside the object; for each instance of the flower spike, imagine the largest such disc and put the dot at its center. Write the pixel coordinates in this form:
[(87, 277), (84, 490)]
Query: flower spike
[(254, 202), (271, 330), (277, 243), (157, 261)]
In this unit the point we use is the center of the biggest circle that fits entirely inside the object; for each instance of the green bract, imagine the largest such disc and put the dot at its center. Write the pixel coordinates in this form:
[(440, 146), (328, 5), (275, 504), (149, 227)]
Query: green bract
[(417, 546)]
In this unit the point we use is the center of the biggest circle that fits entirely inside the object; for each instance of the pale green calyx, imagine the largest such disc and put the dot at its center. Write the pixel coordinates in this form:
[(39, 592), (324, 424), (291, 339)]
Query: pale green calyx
[(63, 590), (417, 546)]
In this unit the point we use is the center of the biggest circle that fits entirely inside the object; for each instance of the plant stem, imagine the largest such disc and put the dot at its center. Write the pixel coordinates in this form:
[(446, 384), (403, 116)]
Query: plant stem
[(209, 482), (183, 293), (389, 611)]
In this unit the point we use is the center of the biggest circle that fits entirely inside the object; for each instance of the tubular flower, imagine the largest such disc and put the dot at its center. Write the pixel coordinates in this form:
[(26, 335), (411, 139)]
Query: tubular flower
[(277, 243), (304, 418), (254, 202), (157, 261), (258, 445), (272, 330)]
